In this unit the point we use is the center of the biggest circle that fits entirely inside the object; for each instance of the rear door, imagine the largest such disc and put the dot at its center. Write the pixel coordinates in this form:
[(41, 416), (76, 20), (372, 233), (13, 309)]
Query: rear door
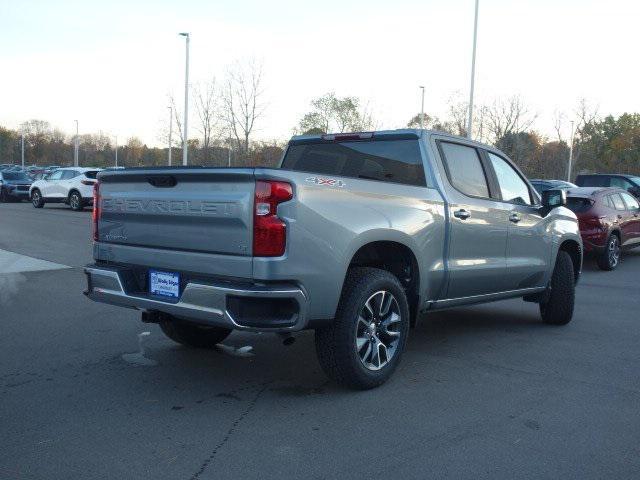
[(528, 252), (478, 224), (622, 218)]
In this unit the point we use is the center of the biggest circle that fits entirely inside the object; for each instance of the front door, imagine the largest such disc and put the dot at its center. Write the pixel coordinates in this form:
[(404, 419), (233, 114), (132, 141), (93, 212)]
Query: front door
[(528, 248), (478, 224)]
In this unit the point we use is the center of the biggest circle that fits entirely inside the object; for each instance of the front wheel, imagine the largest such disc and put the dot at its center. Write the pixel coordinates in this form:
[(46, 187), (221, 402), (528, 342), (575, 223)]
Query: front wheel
[(75, 201), (36, 199), (192, 335), (4, 197), (558, 307), (364, 344), (610, 258)]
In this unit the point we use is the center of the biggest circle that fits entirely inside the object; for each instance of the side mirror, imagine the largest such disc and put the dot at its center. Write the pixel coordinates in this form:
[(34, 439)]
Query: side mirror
[(554, 198)]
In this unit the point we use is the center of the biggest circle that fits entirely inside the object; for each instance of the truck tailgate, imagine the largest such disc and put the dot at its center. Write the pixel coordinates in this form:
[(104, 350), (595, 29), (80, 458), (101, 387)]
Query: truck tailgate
[(205, 210)]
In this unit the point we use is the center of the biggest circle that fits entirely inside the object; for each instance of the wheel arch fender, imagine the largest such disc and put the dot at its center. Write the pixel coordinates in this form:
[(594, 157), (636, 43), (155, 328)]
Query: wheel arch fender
[(364, 247)]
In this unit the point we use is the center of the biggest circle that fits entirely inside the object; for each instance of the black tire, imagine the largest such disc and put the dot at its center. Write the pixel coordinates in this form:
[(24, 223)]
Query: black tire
[(609, 259), (336, 345), (4, 197), (192, 335), (558, 307), (36, 198), (75, 201)]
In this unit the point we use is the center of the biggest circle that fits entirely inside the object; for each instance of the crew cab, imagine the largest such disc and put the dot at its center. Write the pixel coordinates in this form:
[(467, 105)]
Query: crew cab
[(353, 236), (72, 185)]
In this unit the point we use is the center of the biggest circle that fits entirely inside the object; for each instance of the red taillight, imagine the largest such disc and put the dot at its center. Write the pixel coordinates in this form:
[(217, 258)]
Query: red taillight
[(269, 231), (87, 182), (96, 210)]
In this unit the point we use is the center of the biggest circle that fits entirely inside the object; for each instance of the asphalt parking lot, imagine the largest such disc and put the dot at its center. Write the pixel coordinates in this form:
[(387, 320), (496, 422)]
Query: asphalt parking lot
[(482, 392)]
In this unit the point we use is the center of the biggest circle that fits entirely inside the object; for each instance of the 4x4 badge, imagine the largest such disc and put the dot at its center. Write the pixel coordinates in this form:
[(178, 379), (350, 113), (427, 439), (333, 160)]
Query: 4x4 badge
[(329, 182)]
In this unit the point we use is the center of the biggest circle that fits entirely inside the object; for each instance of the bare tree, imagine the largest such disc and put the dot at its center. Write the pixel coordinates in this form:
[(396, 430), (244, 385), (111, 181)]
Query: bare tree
[(207, 107), (177, 115), (242, 101), (508, 116)]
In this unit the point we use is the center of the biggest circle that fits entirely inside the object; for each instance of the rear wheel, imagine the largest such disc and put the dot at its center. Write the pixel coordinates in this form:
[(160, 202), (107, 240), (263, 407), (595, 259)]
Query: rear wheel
[(192, 335), (364, 344), (558, 307), (610, 258), (75, 202), (36, 199)]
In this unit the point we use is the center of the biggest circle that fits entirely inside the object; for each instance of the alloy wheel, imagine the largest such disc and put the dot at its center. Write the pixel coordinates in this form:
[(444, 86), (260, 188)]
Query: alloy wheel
[(378, 330), (614, 251)]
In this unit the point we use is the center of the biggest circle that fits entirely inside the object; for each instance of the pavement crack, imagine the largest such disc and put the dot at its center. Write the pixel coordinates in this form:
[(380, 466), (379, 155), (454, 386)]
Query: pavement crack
[(230, 432)]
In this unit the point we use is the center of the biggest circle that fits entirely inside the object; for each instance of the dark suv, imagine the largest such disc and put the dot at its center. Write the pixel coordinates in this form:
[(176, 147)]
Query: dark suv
[(629, 183)]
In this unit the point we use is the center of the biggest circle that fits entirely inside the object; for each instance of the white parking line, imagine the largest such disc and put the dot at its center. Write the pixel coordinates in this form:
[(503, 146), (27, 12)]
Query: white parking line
[(15, 263)]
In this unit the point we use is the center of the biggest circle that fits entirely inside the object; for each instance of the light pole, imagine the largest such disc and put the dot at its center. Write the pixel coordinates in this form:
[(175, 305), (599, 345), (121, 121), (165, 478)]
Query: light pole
[(170, 131), (422, 109), (22, 148), (116, 151), (185, 147), (75, 147), (473, 71), (570, 154)]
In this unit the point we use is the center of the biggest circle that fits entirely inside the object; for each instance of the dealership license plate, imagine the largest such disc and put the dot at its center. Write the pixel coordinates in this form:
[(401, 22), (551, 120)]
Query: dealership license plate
[(165, 284)]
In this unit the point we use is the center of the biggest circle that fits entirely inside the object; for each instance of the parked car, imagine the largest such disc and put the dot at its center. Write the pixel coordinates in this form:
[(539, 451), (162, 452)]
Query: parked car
[(72, 185), (542, 185), (609, 220), (629, 183), (14, 186), (352, 236)]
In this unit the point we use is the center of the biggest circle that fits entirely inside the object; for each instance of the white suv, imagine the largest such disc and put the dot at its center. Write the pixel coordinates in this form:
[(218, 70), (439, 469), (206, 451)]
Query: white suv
[(72, 185)]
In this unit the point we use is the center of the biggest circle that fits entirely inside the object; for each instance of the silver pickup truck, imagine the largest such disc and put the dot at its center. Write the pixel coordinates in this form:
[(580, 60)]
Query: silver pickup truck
[(353, 235)]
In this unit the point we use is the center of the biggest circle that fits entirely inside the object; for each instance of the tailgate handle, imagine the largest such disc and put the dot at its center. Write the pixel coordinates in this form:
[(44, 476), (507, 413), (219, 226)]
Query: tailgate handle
[(162, 181)]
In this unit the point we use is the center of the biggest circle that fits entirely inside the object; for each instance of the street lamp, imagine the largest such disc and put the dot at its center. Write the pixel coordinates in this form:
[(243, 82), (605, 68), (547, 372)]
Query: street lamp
[(473, 71), (186, 100), (170, 130), (422, 109), (75, 147), (570, 154), (22, 148)]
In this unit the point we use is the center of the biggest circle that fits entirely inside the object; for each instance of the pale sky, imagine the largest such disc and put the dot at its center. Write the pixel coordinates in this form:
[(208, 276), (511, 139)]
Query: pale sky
[(111, 64)]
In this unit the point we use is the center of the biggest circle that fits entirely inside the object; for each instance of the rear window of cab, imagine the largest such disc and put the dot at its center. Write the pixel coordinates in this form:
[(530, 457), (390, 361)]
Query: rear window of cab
[(396, 161)]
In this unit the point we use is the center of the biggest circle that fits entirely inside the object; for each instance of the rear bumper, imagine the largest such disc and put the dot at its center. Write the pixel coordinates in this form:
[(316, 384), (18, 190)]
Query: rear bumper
[(255, 307)]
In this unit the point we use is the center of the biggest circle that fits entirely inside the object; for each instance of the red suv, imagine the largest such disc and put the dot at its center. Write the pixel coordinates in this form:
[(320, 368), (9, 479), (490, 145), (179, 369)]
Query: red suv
[(609, 220)]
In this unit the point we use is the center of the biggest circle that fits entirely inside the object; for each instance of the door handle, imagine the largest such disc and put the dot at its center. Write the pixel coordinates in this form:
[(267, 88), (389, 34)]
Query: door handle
[(462, 214), (514, 217)]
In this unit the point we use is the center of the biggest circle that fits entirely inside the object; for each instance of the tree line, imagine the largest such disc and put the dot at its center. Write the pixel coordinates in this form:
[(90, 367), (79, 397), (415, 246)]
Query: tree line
[(227, 114)]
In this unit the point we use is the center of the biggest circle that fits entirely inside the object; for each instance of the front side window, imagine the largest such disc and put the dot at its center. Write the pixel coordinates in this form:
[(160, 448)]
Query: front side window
[(69, 174), (465, 170), (632, 203), (57, 175), (621, 183), (512, 187)]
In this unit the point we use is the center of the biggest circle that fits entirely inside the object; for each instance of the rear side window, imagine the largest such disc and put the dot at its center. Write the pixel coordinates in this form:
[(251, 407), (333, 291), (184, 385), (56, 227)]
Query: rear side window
[(578, 205), (597, 181), (397, 161), (69, 174), (617, 202), (465, 170)]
